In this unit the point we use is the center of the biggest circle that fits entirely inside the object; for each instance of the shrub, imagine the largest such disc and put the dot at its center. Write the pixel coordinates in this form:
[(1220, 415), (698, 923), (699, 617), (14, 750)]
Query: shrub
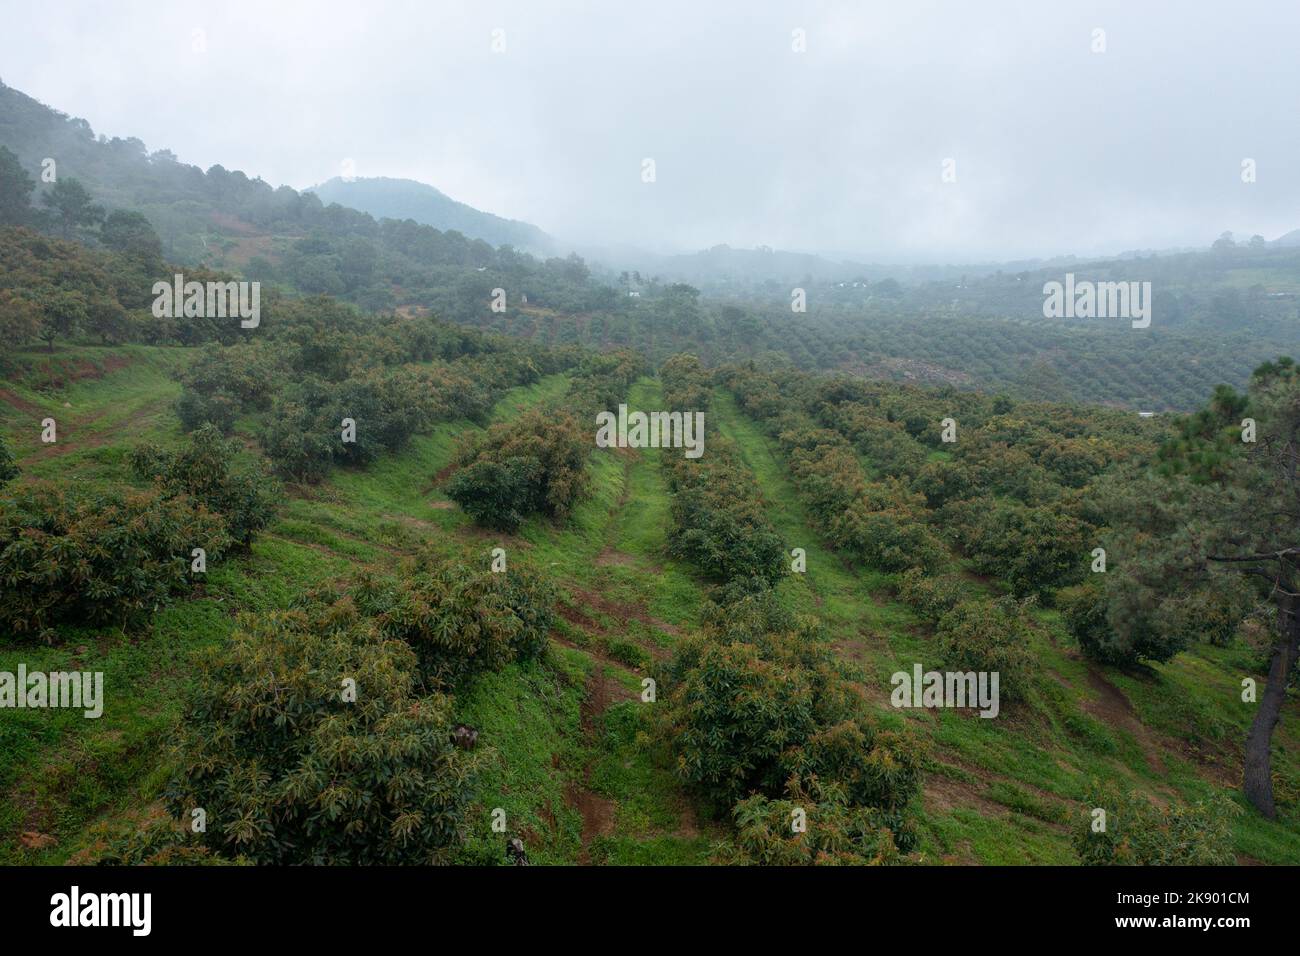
[(1034, 550), (734, 717), (148, 837), (687, 386), (96, 559), (601, 380), (837, 832), (532, 601), (990, 636), (1115, 622), (497, 494), (536, 463), (749, 614), (1083, 609), (460, 621), (747, 708), (290, 772), (205, 472), (718, 520), (932, 596), (9, 469), (304, 434), (891, 539), (1139, 833), (882, 522), (296, 445), (738, 589), (388, 406), (223, 381), (942, 482), (217, 408), (875, 766)]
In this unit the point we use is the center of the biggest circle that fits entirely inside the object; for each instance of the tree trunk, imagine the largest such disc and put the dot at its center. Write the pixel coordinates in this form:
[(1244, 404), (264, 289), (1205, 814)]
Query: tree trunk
[(1257, 779)]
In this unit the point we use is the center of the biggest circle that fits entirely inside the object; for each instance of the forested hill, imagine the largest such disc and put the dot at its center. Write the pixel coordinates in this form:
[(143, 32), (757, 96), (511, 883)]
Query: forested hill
[(1218, 313), (224, 219), (386, 198)]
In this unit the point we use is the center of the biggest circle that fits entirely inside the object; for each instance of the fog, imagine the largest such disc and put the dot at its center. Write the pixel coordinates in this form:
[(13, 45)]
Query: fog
[(837, 149)]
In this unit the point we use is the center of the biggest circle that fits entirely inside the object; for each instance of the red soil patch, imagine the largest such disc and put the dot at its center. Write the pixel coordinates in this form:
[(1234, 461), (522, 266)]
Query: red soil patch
[(941, 794), (230, 223), (688, 824), (24, 406), (574, 616), (31, 840), (597, 812), (597, 816), (609, 557), (60, 374), (622, 611)]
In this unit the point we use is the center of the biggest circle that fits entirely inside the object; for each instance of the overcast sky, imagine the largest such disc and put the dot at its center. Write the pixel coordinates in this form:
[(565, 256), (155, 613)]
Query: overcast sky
[(840, 148)]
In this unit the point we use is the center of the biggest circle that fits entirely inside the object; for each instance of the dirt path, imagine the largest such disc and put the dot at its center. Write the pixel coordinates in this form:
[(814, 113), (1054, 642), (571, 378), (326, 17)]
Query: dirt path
[(609, 555), (618, 611), (1114, 709), (597, 812), (942, 794), (24, 406)]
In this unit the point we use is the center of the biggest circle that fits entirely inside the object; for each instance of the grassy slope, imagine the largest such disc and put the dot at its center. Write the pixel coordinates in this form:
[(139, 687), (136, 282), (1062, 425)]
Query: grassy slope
[(1000, 791), (623, 601), (57, 769), (571, 769), (571, 777)]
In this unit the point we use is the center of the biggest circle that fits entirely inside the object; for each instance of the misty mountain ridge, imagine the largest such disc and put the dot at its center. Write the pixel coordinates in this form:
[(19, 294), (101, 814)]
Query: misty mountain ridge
[(387, 198), (121, 172)]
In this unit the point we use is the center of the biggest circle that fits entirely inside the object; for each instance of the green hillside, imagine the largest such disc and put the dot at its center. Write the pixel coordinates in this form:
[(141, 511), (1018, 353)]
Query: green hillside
[(571, 760), (369, 581), (565, 766)]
